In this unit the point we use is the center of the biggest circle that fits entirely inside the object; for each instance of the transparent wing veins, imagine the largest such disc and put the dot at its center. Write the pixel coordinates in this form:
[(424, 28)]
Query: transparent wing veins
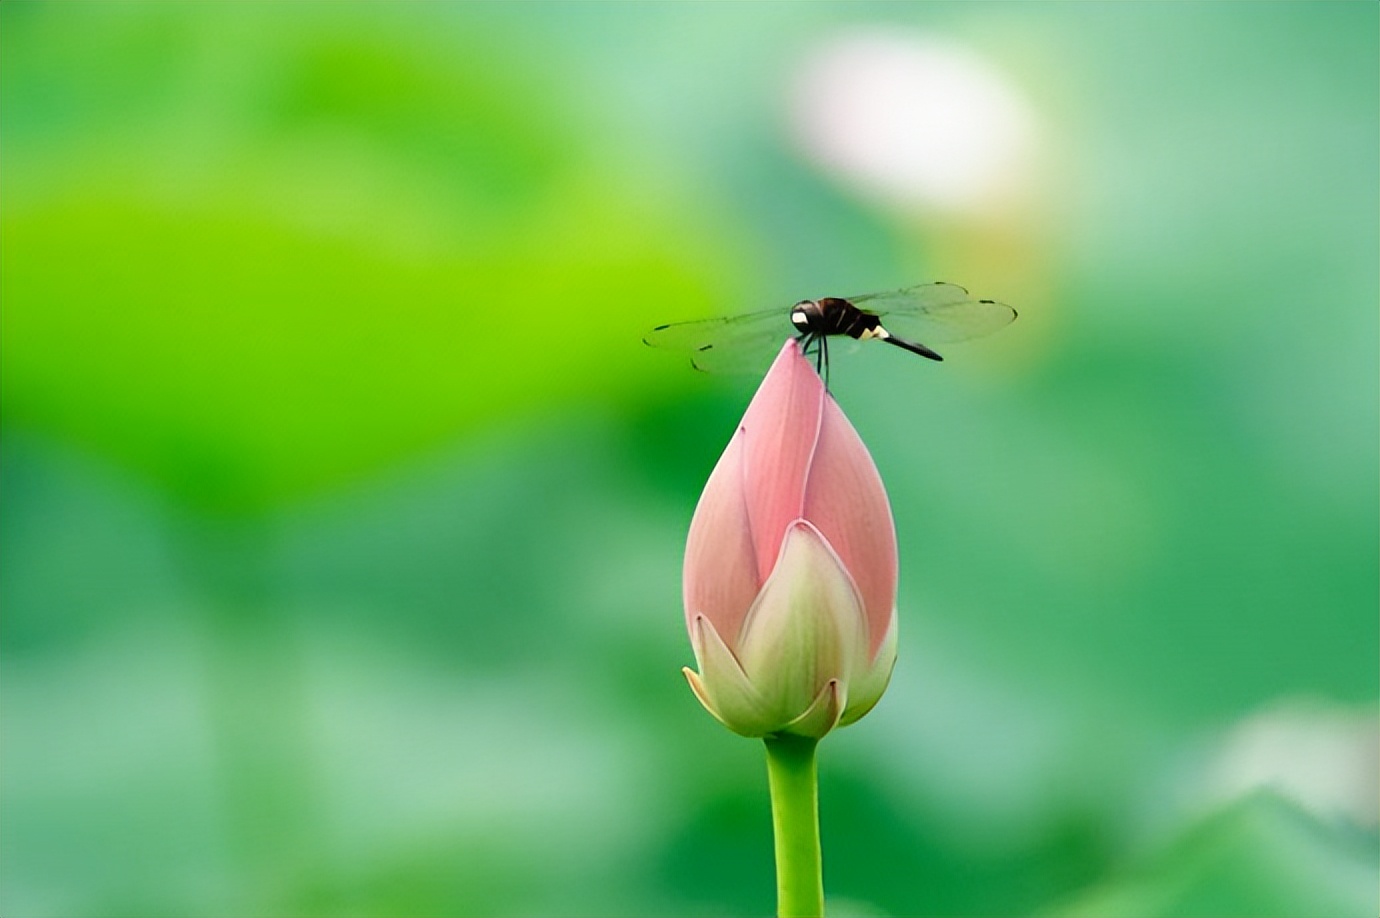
[(730, 344), (936, 313)]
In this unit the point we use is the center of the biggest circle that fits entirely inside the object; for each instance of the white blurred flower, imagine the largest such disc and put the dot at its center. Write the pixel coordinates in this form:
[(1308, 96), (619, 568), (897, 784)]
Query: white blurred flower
[(1325, 758), (920, 122)]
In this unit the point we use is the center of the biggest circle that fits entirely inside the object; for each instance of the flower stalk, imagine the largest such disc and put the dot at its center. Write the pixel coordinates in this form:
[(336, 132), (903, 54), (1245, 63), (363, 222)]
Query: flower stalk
[(792, 777)]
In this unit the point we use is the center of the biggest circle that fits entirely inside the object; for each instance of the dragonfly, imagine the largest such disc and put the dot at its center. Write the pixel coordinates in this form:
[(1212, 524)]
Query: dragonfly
[(936, 313)]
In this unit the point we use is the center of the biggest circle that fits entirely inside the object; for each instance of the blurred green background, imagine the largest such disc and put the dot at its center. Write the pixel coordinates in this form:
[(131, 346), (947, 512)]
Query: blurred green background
[(343, 507)]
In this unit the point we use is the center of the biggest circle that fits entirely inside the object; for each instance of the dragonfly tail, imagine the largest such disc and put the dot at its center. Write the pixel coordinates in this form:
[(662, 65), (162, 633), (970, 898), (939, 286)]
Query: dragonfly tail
[(913, 348)]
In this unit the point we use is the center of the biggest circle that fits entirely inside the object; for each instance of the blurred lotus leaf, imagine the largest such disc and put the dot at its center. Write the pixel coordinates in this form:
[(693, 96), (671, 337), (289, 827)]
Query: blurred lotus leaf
[(253, 267), (1261, 857)]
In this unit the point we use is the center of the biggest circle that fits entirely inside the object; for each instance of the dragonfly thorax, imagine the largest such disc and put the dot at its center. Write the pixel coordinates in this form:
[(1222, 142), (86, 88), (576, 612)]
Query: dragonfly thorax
[(833, 316)]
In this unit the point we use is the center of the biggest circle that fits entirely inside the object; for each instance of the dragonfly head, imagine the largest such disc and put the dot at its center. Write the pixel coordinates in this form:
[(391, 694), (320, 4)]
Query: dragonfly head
[(805, 315)]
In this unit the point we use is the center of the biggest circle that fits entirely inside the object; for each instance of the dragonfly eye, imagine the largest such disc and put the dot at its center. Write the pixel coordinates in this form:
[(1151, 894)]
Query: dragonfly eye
[(801, 314)]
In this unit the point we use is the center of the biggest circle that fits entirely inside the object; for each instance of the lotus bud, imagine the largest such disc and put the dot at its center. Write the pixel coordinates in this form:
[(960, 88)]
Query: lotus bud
[(790, 567)]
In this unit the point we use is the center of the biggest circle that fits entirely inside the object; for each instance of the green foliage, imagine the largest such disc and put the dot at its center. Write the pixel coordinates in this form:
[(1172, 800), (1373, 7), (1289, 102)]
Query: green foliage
[(1261, 857), (351, 251)]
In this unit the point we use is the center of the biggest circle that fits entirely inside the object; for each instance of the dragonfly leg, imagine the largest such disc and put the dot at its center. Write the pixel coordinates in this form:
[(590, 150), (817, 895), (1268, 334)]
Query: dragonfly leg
[(813, 344)]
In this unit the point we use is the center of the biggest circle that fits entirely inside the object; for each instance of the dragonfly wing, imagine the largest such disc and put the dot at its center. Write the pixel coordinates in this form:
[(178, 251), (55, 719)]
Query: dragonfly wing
[(936, 313), (736, 344)]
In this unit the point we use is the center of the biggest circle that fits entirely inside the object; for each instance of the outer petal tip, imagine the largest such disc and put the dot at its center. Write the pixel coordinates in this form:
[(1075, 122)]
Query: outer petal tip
[(722, 686), (697, 687), (823, 715)]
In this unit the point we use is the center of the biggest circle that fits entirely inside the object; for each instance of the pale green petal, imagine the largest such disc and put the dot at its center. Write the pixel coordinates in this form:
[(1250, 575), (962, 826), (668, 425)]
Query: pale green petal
[(867, 686), (822, 716), (722, 686), (806, 627)]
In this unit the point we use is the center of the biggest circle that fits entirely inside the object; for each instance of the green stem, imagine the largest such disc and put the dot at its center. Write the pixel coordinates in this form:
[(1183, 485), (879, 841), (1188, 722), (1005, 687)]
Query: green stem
[(792, 777)]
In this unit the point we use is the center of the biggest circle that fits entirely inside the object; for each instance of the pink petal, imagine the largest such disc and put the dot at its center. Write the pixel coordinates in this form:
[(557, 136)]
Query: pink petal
[(779, 432), (845, 500), (720, 579)]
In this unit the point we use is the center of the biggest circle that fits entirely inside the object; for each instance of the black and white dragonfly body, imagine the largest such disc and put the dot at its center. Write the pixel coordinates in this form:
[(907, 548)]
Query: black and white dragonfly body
[(911, 318)]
